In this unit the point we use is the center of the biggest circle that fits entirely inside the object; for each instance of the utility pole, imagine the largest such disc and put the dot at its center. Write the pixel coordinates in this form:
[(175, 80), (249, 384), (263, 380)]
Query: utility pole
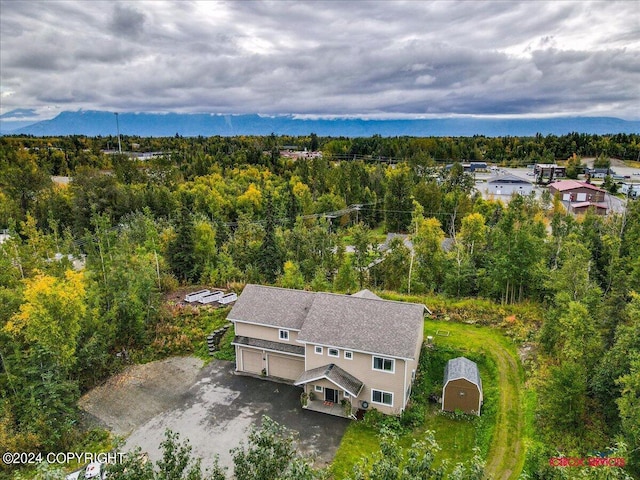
[(118, 128)]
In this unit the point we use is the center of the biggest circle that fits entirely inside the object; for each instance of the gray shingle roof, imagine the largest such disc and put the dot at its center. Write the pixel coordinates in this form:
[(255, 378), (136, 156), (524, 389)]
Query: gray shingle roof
[(374, 326), (278, 307), (344, 321), (366, 294), (462, 367), (334, 374), (268, 345)]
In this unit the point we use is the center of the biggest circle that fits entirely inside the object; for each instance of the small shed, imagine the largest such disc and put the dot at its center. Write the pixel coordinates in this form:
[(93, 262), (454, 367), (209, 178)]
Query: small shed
[(462, 388)]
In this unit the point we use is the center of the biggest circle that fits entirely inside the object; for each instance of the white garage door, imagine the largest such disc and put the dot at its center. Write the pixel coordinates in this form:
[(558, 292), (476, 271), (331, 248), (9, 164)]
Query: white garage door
[(251, 361), (289, 368)]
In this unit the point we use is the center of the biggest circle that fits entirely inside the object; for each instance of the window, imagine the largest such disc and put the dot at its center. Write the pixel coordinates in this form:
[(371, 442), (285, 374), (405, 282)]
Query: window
[(348, 355), (346, 394), (284, 335), (383, 398), (318, 350), (333, 352), (317, 388), (384, 364)]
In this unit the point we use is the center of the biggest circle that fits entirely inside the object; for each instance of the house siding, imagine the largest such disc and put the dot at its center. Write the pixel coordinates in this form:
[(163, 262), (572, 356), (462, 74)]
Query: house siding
[(264, 333), (276, 364), (578, 194), (361, 367)]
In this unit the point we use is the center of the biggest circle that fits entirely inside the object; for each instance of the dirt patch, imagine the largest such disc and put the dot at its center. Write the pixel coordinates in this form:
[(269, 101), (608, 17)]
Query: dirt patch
[(131, 398)]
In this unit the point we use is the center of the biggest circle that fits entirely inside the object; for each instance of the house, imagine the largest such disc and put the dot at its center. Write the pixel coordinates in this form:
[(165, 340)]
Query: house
[(600, 172), (470, 167), (507, 185), (629, 189), (575, 191), (462, 388), (347, 352), (550, 171), (579, 197)]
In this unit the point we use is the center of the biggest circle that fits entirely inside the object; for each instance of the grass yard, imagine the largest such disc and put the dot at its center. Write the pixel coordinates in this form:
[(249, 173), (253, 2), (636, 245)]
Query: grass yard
[(498, 432)]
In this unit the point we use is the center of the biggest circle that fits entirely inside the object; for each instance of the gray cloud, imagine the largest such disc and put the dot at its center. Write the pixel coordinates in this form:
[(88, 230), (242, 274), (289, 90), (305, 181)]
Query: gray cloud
[(127, 21), (332, 58)]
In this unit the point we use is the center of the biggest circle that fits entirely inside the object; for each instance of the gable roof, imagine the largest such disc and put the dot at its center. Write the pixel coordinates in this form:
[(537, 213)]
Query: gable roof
[(360, 323), (366, 294), (367, 325), (276, 307), (335, 375), (462, 368), (508, 178), (564, 185)]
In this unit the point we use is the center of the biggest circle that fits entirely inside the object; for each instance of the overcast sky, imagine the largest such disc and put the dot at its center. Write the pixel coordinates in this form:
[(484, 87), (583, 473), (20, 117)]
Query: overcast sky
[(375, 59)]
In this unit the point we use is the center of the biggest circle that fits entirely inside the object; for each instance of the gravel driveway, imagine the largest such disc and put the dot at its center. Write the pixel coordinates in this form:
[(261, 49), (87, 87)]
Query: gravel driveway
[(210, 406)]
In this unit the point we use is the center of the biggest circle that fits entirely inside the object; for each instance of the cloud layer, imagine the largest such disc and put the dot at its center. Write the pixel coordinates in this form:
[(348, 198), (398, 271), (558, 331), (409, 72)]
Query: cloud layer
[(335, 58)]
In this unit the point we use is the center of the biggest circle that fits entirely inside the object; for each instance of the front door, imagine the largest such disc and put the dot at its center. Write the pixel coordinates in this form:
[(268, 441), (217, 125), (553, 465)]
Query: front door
[(330, 395)]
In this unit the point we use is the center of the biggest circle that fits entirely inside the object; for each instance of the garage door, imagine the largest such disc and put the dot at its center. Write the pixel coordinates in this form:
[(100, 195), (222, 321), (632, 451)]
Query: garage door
[(251, 361), (285, 367)]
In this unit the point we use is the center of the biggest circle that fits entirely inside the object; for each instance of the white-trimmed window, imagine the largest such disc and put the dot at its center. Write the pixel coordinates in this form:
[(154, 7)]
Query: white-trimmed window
[(348, 355), (333, 352), (384, 364), (284, 335), (346, 394), (317, 388), (318, 350), (382, 397)]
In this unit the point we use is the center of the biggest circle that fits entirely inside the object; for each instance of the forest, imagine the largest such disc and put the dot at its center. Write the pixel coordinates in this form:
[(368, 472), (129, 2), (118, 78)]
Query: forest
[(84, 264)]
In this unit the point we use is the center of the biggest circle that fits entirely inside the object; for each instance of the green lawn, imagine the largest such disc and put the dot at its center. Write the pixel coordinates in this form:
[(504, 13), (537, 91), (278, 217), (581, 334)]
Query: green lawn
[(498, 432)]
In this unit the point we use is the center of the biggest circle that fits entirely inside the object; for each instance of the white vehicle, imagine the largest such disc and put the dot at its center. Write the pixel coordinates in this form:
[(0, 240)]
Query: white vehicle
[(93, 470)]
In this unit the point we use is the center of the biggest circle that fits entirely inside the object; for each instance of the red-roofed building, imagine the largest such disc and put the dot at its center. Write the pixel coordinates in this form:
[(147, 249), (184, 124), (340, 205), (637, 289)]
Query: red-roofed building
[(575, 191), (582, 207)]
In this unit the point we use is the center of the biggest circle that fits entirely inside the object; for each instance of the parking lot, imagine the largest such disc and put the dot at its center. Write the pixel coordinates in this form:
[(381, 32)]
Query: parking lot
[(210, 406)]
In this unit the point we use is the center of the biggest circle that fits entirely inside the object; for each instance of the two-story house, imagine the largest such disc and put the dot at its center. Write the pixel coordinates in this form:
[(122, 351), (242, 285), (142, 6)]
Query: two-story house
[(347, 352)]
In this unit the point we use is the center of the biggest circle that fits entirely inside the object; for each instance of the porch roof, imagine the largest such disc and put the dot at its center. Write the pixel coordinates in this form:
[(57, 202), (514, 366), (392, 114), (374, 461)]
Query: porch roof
[(335, 375)]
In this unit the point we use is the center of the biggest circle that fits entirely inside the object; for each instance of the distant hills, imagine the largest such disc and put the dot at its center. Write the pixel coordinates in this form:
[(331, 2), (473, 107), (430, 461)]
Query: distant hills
[(94, 123)]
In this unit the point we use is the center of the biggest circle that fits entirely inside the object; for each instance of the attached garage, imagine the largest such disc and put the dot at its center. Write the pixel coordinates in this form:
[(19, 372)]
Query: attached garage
[(289, 368), (462, 387), (251, 361)]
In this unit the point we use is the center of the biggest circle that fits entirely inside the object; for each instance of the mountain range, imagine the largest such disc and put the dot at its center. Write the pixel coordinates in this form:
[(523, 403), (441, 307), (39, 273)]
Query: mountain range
[(94, 123)]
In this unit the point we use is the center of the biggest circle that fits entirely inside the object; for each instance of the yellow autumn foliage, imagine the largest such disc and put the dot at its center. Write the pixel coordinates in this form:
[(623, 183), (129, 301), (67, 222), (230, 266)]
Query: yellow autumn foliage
[(51, 313)]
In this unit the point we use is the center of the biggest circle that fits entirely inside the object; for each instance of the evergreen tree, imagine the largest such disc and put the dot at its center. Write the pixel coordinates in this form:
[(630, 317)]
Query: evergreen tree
[(270, 257), (181, 251)]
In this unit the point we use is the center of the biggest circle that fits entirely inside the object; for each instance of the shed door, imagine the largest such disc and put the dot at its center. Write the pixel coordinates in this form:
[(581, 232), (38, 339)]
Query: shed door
[(251, 361), (285, 367)]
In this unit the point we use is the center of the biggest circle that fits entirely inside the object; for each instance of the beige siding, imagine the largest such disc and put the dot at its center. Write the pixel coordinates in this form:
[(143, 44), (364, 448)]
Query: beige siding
[(264, 333), (281, 366), (361, 366)]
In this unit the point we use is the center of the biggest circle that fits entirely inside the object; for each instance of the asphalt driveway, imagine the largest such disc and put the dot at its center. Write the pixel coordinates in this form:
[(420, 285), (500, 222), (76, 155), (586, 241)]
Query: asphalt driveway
[(213, 408)]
